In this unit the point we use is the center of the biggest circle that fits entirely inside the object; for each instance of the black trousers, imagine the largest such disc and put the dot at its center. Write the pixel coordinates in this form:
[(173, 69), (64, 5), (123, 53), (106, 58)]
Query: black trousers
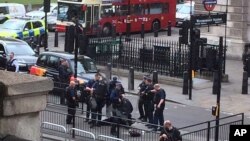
[(149, 109), (71, 113), (97, 113), (140, 107), (88, 107)]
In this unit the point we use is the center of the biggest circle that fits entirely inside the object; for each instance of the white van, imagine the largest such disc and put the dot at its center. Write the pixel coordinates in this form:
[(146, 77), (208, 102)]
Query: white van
[(12, 9)]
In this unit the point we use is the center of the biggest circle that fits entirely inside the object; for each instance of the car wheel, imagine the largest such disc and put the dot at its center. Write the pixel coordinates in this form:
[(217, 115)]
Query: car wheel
[(106, 31)]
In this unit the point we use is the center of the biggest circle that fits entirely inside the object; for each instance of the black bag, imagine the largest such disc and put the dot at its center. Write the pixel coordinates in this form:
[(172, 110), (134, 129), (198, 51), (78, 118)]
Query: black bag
[(134, 133)]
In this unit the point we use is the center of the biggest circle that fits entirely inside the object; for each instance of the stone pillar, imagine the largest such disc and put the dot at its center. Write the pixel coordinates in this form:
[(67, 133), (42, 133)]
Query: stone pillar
[(238, 27), (22, 97)]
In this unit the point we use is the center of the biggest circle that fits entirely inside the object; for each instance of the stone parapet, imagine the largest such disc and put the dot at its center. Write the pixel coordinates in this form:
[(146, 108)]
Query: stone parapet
[(22, 97)]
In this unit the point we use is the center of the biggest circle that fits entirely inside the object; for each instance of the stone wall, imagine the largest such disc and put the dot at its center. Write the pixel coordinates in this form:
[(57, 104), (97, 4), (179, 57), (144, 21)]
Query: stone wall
[(237, 26), (22, 97)]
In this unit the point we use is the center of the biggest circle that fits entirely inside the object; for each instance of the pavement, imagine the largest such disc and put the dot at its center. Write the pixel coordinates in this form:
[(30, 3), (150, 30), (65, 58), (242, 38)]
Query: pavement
[(232, 101)]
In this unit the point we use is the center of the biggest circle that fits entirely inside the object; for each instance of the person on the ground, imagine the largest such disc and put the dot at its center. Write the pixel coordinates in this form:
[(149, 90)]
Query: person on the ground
[(116, 99), (71, 97), (88, 89), (159, 105), (148, 104), (12, 64), (170, 133), (141, 100)]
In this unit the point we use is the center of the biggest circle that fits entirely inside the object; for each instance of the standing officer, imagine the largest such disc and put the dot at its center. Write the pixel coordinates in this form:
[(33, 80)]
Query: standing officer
[(141, 100), (71, 101), (148, 105), (99, 92), (159, 104), (64, 78), (111, 87), (12, 64), (116, 99), (89, 89)]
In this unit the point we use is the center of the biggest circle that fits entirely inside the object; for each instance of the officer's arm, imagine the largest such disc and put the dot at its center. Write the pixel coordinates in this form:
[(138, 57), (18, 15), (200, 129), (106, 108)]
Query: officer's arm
[(16, 65)]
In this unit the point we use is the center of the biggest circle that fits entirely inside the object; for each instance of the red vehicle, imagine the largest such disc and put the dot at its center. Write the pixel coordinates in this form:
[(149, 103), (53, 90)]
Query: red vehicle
[(154, 13), (92, 14)]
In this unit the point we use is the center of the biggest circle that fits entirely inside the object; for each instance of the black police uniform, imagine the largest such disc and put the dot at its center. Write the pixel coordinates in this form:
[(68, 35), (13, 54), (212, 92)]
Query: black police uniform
[(70, 93), (116, 104), (10, 66), (64, 76), (90, 84), (148, 96), (99, 93), (141, 100), (158, 114)]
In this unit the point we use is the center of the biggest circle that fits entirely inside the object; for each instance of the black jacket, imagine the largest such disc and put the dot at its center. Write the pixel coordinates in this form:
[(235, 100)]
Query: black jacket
[(70, 101), (173, 134)]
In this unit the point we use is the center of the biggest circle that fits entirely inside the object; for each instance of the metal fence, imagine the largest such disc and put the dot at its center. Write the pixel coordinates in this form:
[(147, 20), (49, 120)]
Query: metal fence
[(205, 131), (146, 55), (59, 118)]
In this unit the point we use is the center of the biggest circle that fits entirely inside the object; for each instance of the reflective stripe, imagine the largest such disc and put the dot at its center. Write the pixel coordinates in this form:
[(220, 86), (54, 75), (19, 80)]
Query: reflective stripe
[(37, 32), (42, 30), (25, 34), (20, 35), (31, 33)]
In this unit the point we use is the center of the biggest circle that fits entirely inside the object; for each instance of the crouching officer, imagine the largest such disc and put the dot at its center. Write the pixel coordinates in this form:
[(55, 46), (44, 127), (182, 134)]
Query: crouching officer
[(71, 97), (116, 99)]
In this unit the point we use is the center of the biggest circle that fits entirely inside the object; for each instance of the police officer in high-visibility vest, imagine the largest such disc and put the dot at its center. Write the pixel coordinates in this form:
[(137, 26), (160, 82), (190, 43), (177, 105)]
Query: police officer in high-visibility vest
[(12, 64)]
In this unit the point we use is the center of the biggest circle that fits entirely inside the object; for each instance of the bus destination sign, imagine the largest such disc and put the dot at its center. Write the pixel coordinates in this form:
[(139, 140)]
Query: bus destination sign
[(209, 5)]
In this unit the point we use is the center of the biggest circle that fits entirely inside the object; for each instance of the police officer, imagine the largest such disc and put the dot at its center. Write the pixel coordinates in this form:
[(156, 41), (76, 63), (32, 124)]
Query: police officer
[(170, 133), (12, 64), (159, 104), (89, 90), (111, 87), (64, 78), (116, 99), (99, 92), (71, 101), (148, 104), (141, 88)]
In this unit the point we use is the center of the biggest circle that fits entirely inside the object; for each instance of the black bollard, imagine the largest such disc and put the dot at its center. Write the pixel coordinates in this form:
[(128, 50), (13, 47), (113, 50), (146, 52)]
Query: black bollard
[(114, 31), (142, 30), (185, 83), (245, 83), (156, 33), (109, 71), (169, 28), (216, 82), (155, 77), (131, 79), (56, 39)]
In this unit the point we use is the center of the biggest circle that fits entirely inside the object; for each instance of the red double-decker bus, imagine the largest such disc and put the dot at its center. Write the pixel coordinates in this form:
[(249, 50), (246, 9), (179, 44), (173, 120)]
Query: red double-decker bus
[(155, 14)]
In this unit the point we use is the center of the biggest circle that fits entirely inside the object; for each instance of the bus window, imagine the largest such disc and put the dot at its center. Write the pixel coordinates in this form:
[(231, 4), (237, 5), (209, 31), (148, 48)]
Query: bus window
[(156, 8), (165, 8), (107, 11), (124, 10), (137, 9), (67, 11)]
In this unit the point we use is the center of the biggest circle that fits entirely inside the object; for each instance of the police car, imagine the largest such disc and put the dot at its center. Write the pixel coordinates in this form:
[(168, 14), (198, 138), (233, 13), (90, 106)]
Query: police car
[(3, 18), (23, 29)]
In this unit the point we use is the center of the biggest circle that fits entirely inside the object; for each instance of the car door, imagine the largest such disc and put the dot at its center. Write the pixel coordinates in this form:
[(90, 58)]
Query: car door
[(53, 63), (3, 58)]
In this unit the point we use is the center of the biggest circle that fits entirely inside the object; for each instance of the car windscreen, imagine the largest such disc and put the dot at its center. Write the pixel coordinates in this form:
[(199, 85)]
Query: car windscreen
[(84, 65), (13, 25), (19, 49)]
